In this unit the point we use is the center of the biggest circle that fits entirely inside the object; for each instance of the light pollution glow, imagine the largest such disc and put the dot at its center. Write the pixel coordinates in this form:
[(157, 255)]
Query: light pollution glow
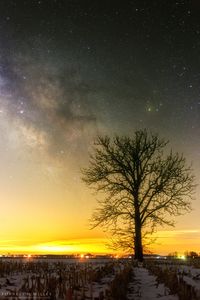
[(167, 242)]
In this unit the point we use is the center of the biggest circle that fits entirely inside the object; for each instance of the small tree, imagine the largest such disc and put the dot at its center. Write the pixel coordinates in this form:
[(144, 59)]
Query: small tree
[(191, 254), (144, 186)]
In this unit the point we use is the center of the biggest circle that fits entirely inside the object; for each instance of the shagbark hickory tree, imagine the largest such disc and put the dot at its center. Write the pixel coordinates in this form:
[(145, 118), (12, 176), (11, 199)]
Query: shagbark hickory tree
[(143, 186)]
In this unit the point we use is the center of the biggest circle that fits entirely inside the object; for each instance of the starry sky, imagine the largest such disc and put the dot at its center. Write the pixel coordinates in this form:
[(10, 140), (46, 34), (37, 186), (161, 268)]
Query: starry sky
[(70, 70)]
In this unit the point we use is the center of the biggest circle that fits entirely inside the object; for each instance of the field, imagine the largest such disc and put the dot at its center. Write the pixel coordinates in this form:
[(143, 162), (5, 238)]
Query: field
[(109, 279)]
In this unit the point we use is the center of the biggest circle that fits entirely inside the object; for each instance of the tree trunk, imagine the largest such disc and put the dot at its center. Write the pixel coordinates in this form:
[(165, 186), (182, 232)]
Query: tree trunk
[(138, 236)]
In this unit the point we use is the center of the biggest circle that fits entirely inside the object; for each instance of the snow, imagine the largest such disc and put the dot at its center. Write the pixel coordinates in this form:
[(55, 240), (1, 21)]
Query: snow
[(36, 279), (145, 287), (91, 279), (191, 276)]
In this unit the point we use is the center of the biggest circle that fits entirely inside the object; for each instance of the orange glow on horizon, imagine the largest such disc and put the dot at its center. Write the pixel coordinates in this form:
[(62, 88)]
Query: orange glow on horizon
[(167, 242), (79, 246)]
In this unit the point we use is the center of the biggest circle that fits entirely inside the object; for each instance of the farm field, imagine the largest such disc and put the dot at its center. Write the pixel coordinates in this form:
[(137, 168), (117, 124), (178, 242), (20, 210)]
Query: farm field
[(98, 279), (60, 278)]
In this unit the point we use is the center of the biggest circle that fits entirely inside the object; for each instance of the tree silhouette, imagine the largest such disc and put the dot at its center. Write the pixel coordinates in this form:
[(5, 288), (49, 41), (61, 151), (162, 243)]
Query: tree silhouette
[(142, 186)]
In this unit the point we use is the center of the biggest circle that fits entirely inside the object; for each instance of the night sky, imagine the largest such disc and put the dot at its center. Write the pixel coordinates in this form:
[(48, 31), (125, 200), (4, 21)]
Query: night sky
[(70, 70)]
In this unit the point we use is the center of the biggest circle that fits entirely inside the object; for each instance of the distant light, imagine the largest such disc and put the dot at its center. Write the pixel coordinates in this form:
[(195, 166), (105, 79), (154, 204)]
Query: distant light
[(82, 256), (183, 257), (27, 256)]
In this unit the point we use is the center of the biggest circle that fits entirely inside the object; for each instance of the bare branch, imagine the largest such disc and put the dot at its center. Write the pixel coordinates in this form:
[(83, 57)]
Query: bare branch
[(144, 186)]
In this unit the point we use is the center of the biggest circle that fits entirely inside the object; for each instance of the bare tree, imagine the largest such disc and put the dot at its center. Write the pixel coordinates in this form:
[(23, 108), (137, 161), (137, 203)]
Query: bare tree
[(142, 186)]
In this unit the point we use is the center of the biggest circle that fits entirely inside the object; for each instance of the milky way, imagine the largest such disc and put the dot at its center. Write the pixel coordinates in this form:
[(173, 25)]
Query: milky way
[(69, 71)]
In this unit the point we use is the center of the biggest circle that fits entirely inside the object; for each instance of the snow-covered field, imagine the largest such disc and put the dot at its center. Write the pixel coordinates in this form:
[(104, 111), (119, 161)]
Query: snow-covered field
[(145, 287), (57, 278), (108, 279)]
